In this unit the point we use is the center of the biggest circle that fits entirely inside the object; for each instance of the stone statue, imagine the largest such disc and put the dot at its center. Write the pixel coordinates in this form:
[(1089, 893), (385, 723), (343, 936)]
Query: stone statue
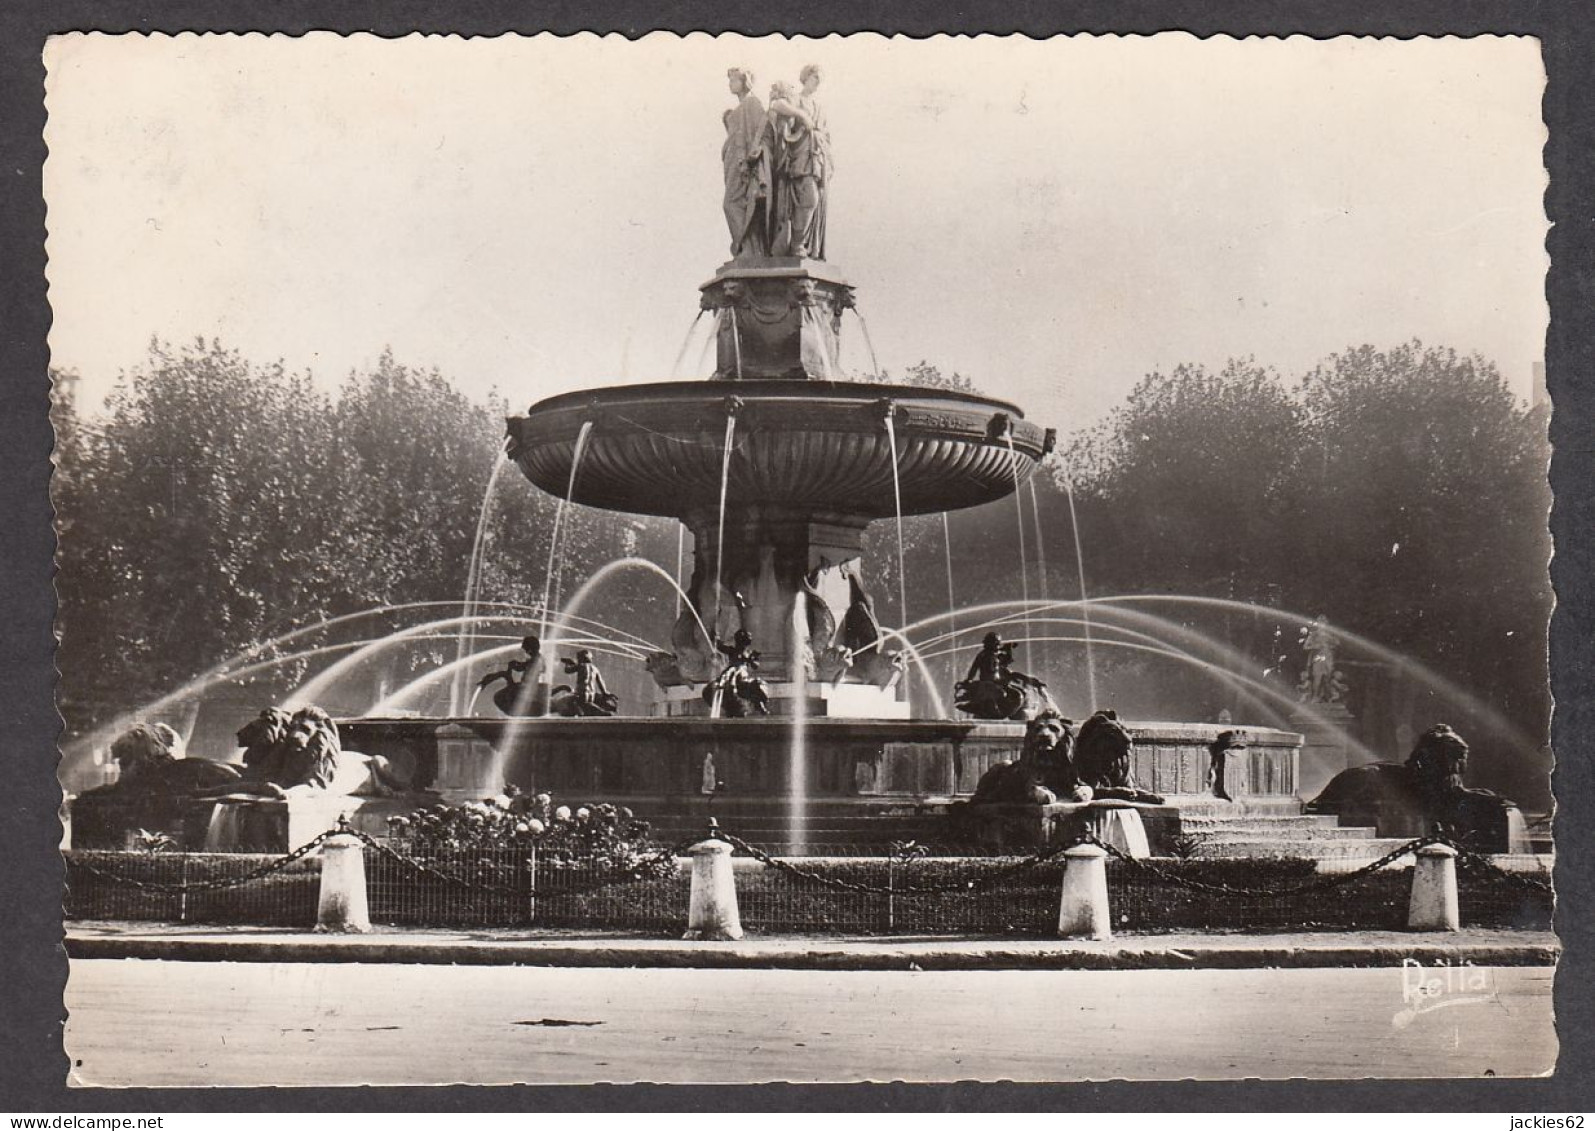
[(590, 697), (149, 766), (828, 658), (746, 161), (802, 168), (737, 689), (863, 642), (692, 651), (993, 689), (291, 755), (1320, 682), (261, 741), (1043, 773), (1102, 758), (665, 667), (520, 695), (861, 630), (1424, 794), (1218, 754)]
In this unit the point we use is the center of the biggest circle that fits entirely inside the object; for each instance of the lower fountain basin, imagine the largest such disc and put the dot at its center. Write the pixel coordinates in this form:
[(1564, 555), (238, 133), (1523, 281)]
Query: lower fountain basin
[(863, 781)]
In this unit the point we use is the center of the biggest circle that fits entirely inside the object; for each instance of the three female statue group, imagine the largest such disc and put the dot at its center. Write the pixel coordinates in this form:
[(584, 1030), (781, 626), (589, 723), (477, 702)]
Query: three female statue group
[(777, 163)]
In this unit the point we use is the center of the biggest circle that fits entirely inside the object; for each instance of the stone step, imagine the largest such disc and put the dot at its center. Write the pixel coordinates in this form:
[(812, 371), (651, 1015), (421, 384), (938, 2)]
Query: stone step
[(1368, 848), (1205, 804), (1247, 831), (1304, 836), (1258, 820)]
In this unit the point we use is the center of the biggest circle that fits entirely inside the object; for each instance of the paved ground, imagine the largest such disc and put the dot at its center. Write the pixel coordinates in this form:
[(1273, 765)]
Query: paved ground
[(137, 1022)]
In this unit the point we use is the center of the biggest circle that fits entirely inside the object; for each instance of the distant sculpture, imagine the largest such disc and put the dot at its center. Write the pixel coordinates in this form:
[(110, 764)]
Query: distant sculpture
[(147, 767), (1102, 760), (520, 695), (1218, 754), (802, 168), (1320, 682), (993, 689), (589, 697), (1042, 774), (737, 690), (746, 161), (1424, 794)]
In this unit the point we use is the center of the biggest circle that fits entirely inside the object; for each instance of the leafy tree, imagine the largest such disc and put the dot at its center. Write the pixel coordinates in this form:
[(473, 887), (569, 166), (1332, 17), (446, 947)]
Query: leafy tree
[(1187, 484), (1426, 485), (927, 376)]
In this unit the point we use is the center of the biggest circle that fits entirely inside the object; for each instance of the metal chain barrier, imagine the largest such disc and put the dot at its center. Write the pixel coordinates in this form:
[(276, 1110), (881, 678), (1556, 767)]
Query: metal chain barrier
[(1484, 863), (185, 886), (1321, 883), (987, 879), (616, 876), (425, 869), (996, 875)]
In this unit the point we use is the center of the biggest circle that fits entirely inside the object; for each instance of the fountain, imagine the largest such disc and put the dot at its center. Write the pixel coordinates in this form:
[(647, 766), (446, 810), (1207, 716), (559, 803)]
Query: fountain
[(777, 467)]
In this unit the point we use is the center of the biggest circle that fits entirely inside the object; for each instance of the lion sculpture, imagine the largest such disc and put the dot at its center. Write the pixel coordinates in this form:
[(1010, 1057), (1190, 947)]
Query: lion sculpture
[(1424, 794), (1041, 775), (149, 764), (1102, 759), (289, 755), (260, 739)]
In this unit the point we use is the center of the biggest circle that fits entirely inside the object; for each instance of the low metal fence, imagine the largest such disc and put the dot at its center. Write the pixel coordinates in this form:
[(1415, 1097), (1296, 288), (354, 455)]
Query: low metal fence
[(417, 885), (195, 887), (919, 891), (905, 889)]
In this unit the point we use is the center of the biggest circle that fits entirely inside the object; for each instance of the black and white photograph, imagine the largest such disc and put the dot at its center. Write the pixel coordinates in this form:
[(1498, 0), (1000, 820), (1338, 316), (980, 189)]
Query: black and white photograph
[(719, 559)]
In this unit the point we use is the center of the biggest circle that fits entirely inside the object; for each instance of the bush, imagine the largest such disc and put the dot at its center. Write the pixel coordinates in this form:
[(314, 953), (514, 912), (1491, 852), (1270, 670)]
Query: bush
[(596, 836)]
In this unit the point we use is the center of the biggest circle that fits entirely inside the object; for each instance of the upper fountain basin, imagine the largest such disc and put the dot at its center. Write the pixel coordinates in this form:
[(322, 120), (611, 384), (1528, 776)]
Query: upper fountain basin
[(819, 445)]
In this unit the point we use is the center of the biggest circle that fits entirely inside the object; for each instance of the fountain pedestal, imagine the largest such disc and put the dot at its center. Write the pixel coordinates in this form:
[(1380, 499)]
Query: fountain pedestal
[(1326, 749), (779, 317)]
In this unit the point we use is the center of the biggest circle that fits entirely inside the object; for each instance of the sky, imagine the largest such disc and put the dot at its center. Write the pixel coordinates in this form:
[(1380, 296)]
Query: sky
[(1052, 219)]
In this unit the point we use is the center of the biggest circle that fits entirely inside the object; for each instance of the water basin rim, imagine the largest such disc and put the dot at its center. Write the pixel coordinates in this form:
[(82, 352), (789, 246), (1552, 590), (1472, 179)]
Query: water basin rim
[(769, 389), (1194, 732)]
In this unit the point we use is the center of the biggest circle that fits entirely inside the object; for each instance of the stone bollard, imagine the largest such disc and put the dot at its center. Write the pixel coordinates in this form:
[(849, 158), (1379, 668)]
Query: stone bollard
[(342, 905), (712, 907), (1433, 906), (1083, 905)]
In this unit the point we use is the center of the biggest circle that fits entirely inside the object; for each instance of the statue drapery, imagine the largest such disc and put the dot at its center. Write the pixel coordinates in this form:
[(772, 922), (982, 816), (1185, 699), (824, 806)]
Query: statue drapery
[(747, 167)]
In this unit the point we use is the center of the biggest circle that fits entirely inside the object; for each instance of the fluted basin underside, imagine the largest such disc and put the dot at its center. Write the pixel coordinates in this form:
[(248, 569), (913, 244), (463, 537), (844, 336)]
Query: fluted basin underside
[(812, 445)]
